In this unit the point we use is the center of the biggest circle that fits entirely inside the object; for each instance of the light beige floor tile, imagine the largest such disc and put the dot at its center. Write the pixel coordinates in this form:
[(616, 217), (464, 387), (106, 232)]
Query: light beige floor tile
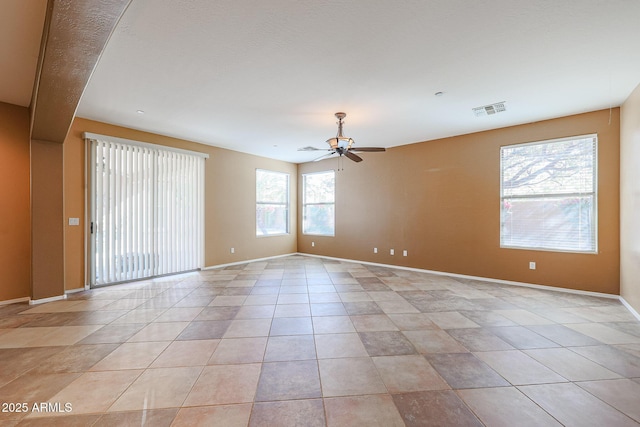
[(354, 296), (131, 356), (64, 335), (90, 305), (412, 322), (573, 406), (373, 410), (221, 415), (140, 315), (373, 323), (158, 388), (186, 353), (349, 376), (332, 324), (293, 299), (124, 304), (256, 311), (434, 341), (570, 365), (333, 346), (52, 307), (324, 297), (244, 328), (451, 320), (161, 331), (225, 384), (261, 300), (102, 388), (397, 307), (505, 407), (524, 317), (22, 337), (402, 374), (518, 368), (239, 350), (292, 310), (604, 333), (622, 394), (228, 300), (385, 296), (179, 314)]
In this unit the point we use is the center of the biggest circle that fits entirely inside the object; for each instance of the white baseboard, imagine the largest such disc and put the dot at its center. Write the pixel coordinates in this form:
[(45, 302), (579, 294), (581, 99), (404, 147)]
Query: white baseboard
[(15, 300), (631, 309), (484, 279), (213, 267), (45, 300)]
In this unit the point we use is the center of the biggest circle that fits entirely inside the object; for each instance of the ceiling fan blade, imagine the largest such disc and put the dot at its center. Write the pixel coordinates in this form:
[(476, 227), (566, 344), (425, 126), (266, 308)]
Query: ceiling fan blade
[(352, 156), (324, 157), (368, 149)]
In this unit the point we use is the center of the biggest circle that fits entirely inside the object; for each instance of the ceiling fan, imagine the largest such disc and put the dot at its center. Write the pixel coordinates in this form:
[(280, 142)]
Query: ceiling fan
[(342, 145)]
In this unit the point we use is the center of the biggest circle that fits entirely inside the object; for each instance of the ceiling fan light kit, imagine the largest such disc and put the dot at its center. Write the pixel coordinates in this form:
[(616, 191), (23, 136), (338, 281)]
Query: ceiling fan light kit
[(343, 145)]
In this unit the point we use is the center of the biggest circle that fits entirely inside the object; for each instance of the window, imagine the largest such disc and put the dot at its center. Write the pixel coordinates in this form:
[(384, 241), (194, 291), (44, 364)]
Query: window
[(272, 203), (548, 195), (318, 203)]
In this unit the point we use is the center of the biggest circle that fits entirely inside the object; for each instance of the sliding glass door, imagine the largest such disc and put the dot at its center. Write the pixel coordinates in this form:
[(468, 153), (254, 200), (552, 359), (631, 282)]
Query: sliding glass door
[(147, 210)]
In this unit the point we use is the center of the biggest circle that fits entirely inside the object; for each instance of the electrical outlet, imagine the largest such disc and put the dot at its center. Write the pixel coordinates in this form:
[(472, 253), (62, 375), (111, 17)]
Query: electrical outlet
[(391, 252), (404, 253), (532, 265), (233, 250), (74, 221), (313, 243), (375, 250)]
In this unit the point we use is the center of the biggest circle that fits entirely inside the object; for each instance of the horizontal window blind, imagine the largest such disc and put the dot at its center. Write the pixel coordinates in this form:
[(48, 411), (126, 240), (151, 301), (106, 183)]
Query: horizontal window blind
[(318, 203), (147, 206), (272, 203), (549, 195)]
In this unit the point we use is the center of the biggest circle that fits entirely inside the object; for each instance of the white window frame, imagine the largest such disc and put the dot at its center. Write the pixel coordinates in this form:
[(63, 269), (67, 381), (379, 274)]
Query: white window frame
[(287, 204), (305, 203), (593, 193)]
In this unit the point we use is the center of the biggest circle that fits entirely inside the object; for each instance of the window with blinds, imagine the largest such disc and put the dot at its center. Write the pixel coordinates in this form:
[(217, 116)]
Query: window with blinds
[(272, 203), (147, 210), (548, 195), (318, 203)]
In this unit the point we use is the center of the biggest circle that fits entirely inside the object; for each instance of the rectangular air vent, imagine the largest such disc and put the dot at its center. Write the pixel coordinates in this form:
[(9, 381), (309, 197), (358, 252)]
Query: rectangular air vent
[(487, 110)]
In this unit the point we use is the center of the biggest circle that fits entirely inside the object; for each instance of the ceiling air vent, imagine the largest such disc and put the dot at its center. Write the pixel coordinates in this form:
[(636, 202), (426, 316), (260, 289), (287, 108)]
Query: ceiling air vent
[(490, 109)]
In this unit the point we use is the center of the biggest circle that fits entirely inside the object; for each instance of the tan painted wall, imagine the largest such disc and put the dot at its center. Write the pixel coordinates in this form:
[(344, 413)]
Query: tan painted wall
[(229, 200), (15, 211), (439, 200), (630, 200), (47, 220)]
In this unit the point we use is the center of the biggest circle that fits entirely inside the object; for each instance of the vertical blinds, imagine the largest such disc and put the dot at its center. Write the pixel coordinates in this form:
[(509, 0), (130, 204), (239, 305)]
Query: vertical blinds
[(147, 211)]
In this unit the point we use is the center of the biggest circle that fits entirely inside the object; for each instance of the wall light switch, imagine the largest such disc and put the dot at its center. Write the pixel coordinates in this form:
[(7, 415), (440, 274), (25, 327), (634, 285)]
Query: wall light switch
[(532, 265), (233, 250), (404, 253), (313, 243), (375, 250), (74, 221), (392, 252)]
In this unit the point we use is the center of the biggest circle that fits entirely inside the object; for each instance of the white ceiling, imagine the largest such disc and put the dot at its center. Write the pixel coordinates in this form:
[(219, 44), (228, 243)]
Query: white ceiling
[(266, 77)]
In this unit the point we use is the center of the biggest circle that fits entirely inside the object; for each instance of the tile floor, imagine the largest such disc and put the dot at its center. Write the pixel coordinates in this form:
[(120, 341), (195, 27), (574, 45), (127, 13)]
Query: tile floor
[(315, 342)]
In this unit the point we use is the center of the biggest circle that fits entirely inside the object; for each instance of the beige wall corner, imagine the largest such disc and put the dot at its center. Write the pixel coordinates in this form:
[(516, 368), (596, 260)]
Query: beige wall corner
[(630, 200)]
